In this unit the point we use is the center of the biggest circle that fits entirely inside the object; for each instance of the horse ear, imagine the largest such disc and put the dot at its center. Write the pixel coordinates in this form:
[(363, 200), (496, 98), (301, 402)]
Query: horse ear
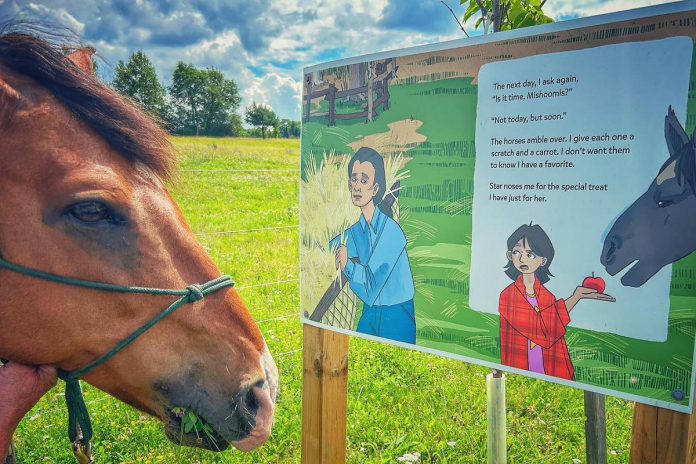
[(82, 58), (675, 135), (9, 101)]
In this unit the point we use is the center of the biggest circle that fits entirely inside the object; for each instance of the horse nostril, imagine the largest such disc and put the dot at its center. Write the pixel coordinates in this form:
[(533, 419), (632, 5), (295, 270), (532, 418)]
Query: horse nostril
[(614, 244), (251, 402)]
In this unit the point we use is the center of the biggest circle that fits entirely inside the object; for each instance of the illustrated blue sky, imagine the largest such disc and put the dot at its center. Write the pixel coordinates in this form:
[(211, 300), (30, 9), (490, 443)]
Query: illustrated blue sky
[(262, 44)]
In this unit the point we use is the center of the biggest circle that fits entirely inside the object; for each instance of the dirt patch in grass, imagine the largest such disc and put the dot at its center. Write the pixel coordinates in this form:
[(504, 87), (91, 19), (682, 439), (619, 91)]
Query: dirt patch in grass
[(401, 137)]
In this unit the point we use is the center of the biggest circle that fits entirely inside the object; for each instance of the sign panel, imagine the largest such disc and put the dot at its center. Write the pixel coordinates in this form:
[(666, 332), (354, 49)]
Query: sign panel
[(524, 201)]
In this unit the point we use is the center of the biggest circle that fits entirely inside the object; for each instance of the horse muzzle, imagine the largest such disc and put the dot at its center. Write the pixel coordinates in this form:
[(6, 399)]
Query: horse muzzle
[(245, 422), (202, 416)]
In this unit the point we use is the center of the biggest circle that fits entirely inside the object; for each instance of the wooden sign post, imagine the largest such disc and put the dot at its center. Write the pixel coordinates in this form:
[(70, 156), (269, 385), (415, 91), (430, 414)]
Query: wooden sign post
[(595, 428), (324, 396), (661, 436)]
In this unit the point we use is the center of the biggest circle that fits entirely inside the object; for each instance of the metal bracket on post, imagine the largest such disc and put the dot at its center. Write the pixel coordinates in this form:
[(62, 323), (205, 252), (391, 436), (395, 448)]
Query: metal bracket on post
[(495, 394)]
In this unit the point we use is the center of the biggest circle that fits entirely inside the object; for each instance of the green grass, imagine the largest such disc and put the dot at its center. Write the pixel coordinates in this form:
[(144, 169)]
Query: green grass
[(399, 401)]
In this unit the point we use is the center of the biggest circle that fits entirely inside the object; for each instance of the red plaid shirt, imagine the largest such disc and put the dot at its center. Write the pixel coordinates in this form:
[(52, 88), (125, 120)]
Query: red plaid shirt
[(520, 322)]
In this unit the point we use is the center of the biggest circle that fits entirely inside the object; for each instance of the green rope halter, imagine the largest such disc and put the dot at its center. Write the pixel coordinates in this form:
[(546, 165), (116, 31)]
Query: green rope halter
[(79, 425)]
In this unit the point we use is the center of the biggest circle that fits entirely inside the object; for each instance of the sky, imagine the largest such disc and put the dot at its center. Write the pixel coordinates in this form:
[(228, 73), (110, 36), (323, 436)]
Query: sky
[(262, 44)]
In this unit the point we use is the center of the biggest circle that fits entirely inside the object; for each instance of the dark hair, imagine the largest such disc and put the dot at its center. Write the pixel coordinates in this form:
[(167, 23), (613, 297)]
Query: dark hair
[(369, 155), (540, 244), (31, 50)]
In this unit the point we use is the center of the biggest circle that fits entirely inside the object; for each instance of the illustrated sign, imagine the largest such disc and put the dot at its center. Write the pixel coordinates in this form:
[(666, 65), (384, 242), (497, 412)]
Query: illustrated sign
[(525, 201)]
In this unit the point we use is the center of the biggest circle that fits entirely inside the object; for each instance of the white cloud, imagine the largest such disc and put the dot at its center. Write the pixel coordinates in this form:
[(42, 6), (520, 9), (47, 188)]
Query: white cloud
[(264, 45), (279, 91), (564, 8)]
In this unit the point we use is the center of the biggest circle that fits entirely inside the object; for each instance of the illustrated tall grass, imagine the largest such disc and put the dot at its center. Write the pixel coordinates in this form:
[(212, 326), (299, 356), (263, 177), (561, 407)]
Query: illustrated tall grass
[(327, 212)]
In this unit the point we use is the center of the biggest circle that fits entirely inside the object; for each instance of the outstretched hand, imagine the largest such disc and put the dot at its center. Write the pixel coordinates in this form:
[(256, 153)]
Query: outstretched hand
[(592, 294), (21, 387)]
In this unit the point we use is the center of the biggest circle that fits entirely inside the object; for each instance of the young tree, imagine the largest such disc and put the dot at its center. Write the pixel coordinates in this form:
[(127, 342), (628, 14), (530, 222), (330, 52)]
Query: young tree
[(288, 128), (137, 79), (504, 15), (237, 126), (262, 117), (202, 100)]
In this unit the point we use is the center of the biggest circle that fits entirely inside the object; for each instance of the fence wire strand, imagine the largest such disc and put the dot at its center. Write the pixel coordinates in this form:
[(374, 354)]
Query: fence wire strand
[(237, 170), (240, 231), (295, 314), (267, 284)]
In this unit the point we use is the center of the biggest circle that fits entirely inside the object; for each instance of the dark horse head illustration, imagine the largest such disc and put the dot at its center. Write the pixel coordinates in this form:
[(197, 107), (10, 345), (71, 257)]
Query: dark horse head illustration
[(659, 228)]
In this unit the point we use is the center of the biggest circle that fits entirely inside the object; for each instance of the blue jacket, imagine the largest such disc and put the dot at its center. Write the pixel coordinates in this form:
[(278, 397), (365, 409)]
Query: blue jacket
[(382, 277)]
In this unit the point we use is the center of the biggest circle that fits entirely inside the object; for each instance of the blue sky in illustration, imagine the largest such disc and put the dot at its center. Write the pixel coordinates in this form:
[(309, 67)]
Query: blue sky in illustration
[(261, 44)]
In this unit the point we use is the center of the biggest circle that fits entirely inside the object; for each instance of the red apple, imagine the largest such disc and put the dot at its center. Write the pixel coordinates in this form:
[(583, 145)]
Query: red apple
[(595, 283)]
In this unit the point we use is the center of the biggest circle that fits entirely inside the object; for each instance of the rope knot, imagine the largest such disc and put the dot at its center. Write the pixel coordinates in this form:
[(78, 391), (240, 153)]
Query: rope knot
[(195, 293)]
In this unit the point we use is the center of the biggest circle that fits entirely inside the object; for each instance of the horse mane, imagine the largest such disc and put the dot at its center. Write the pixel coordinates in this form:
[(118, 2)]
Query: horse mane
[(37, 51)]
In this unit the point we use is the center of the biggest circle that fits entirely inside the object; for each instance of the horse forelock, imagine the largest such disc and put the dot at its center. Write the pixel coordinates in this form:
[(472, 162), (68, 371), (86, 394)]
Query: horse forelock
[(132, 133)]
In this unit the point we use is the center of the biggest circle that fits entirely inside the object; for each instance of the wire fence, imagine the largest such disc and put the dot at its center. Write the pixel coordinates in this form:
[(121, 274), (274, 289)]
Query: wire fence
[(243, 231), (278, 318), (214, 171)]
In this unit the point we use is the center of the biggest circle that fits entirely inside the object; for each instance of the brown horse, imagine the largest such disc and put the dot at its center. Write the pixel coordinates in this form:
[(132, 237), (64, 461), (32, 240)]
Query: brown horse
[(82, 194)]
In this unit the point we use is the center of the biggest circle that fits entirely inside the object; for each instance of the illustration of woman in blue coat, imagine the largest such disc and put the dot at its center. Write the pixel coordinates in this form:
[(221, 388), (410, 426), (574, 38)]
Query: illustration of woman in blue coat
[(372, 254)]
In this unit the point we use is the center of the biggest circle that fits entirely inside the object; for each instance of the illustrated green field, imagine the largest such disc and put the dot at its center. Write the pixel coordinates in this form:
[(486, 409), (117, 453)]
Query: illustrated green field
[(399, 401), (438, 197)]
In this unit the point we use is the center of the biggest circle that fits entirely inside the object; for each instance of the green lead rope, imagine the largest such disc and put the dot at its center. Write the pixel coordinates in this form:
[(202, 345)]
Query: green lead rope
[(79, 424)]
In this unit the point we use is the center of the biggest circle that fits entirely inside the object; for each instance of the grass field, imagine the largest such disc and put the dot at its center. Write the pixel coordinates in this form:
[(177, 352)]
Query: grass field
[(399, 401)]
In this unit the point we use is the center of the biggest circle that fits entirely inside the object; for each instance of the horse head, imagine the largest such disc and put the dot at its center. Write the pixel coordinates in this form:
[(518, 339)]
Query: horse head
[(659, 228), (83, 195)]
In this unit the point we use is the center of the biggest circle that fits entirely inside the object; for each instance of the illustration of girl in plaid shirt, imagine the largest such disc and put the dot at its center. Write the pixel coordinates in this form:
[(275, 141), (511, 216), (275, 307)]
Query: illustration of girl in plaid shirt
[(532, 321)]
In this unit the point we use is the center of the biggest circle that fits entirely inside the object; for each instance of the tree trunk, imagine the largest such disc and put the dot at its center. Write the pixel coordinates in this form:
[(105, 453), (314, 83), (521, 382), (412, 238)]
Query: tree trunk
[(497, 16)]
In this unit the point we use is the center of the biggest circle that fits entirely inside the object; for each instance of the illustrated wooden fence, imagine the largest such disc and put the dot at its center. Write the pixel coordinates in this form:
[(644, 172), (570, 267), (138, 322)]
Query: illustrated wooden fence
[(378, 84)]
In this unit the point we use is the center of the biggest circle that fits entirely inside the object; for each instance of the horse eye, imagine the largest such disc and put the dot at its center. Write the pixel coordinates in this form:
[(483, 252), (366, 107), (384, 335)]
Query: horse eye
[(664, 203), (91, 212)]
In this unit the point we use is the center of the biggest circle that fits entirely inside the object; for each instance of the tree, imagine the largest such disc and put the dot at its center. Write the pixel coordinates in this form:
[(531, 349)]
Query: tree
[(203, 101), (262, 117), (504, 15), (237, 126), (288, 128), (137, 79)]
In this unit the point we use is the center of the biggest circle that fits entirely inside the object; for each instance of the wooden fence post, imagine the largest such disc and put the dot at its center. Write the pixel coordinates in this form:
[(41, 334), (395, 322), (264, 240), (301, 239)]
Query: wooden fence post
[(661, 436), (370, 104), (309, 98), (324, 396), (332, 104), (595, 428)]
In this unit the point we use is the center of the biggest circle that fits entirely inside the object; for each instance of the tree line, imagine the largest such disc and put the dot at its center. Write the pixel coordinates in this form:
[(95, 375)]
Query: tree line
[(198, 101)]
